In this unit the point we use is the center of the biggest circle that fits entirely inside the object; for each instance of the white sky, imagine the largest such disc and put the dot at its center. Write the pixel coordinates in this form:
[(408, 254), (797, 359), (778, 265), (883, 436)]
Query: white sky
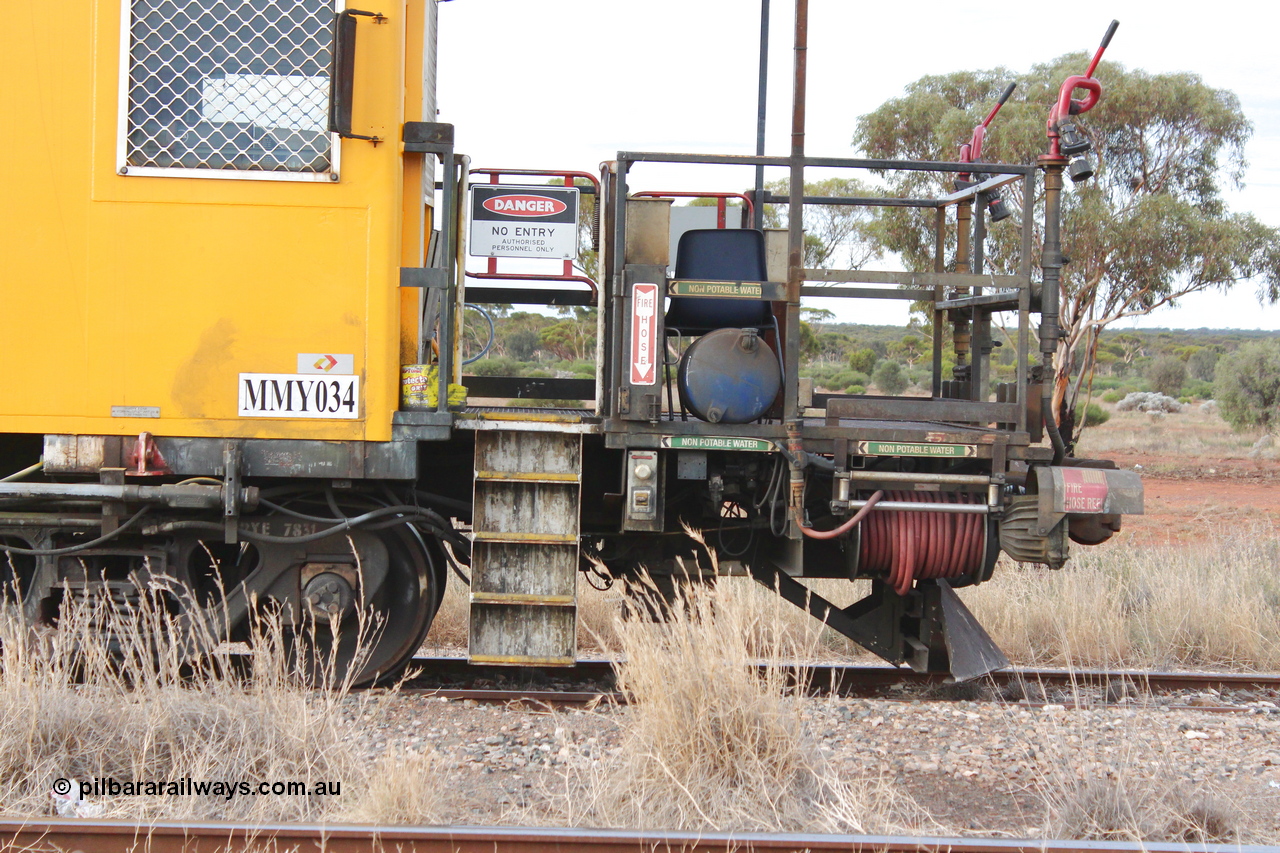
[(569, 83)]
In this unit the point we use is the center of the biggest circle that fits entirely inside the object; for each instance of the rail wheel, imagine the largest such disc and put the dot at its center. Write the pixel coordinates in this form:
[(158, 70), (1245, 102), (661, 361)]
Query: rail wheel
[(361, 624), (355, 605)]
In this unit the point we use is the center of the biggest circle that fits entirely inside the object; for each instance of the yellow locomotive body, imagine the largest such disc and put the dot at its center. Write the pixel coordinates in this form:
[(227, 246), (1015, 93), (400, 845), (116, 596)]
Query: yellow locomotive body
[(136, 297)]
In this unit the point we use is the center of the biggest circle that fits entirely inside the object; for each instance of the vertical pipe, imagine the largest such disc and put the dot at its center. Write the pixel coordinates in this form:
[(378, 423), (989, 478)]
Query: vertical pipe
[(1051, 264), (463, 184), (795, 214), (761, 98), (446, 336), (617, 266), (939, 266), (960, 316), (795, 272), (605, 355), (1024, 299), (980, 322)]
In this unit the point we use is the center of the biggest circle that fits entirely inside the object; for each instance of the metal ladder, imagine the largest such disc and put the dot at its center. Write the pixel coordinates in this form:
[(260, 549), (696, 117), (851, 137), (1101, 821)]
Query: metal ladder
[(525, 553)]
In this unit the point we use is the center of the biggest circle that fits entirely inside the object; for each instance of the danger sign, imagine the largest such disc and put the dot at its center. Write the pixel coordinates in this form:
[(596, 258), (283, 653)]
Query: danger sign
[(524, 222), (644, 334)]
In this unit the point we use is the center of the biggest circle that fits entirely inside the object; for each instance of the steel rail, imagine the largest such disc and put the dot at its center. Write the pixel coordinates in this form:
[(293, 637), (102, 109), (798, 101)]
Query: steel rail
[(553, 699), (855, 679), (211, 837)]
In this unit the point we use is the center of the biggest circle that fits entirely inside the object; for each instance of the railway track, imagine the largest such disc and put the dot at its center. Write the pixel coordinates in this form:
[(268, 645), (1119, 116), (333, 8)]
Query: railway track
[(591, 680), (122, 836)]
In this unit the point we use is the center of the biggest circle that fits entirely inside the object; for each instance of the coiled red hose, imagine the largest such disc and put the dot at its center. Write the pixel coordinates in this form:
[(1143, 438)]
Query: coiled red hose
[(925, 545)]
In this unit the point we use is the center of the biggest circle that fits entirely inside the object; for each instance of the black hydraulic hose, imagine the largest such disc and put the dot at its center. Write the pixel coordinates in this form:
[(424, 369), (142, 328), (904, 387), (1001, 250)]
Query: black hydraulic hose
[(426, 497), (71, 549), (1055, 435), (822, 463), (345, 524), (436, 522)]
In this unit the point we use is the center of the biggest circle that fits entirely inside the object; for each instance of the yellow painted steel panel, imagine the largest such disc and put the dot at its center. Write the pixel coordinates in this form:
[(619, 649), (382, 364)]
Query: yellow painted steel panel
[(120, 290)]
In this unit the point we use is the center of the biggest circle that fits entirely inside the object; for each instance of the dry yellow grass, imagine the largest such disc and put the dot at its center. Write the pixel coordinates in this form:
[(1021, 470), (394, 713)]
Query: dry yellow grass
[(1190, 436), (1130, 789), (1212, 603), (70, 709), (714, 743)]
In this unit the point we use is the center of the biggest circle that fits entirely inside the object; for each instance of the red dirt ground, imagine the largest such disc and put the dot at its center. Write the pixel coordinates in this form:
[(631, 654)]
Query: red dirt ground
[(1239, 493)]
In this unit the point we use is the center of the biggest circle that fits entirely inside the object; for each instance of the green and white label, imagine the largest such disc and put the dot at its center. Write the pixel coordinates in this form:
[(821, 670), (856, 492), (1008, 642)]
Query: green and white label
[(894, 448), (729, 289), (707, 442)]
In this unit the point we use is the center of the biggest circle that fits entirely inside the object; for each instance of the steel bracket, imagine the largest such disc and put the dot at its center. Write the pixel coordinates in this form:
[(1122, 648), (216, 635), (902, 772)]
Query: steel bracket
[(231, 493), (144, 458)]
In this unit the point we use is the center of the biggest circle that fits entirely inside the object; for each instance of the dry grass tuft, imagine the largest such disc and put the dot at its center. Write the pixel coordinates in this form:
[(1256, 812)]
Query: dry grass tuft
[(403, 788), (72, 708), (715, 737), (1215, 603), (1142, 810)]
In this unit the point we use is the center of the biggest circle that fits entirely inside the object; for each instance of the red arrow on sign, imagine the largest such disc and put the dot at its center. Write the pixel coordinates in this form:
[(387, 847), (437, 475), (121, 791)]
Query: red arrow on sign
[(326, 363), (644, 332)]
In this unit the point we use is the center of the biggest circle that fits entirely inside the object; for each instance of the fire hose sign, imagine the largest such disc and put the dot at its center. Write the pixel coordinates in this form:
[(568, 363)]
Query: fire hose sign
[(644, 334), (508, 221), (1083, 489)]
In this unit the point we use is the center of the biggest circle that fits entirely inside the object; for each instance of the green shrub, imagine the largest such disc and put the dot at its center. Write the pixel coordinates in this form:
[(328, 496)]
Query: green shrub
[(1091, 415), (1198, 389), (1167, 375), (1248, 385), (890, 378), (495, 367), (1113, 396), (856, 389), (863, 360)]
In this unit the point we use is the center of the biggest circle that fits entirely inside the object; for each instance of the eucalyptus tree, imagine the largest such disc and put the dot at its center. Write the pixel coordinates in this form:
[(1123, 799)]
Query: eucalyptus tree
[(1151, 226)]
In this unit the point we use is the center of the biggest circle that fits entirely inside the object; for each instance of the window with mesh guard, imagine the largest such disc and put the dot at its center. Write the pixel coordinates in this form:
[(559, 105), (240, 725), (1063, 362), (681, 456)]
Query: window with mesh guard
[(228, 86)]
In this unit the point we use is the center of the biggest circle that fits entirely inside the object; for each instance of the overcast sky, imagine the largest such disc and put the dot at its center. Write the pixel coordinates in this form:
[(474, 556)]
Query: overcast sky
[(569, 83)]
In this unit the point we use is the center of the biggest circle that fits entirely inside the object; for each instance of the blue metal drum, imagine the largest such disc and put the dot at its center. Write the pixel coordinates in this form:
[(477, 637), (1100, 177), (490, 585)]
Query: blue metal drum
[(729, 376)]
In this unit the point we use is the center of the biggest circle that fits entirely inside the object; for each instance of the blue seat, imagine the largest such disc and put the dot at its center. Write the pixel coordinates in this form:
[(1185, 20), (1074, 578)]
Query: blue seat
[(719, 254)]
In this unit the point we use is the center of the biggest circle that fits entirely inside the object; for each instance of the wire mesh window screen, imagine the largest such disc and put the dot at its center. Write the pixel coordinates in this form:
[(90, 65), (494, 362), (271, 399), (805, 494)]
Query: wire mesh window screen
[(240, 85)]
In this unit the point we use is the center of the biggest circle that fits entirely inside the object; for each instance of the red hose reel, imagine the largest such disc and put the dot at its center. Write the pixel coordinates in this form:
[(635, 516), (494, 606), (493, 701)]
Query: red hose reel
[(923, 545)]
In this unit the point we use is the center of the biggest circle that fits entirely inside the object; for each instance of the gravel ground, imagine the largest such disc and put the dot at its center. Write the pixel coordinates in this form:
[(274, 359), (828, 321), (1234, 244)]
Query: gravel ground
[(977, 766)]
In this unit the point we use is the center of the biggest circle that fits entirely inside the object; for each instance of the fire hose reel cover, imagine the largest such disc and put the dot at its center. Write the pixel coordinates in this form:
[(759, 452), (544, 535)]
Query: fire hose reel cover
[(729, 376)]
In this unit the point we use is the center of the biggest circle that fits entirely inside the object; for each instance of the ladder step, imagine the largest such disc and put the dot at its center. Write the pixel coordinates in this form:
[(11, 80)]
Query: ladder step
[(526, 477), (522, 598), (524, 660), (526, 538), (524, 559)]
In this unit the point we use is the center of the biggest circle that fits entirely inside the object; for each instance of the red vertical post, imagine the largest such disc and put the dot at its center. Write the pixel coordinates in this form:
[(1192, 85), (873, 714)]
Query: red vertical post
[(568, 264), (493, 262)]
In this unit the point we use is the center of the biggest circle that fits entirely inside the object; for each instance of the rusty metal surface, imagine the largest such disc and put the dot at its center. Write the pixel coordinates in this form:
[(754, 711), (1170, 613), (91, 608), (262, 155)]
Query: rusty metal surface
[(194, 457), (648, 231), (162, 837), (907, 408)]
